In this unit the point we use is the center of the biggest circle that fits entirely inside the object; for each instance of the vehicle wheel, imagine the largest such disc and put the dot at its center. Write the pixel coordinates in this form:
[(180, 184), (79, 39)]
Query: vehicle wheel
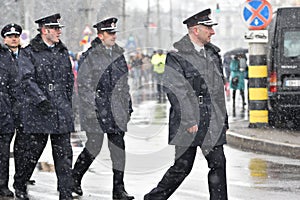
[(277, 119), (272, 119)]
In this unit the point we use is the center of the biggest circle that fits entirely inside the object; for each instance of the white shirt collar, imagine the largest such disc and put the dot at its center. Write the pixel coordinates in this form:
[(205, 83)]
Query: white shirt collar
[(197, 47), (50, 46)]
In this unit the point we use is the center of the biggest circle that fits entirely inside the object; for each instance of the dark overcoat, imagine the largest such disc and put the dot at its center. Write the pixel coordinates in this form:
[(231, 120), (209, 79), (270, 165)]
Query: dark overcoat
[(8, 77), (104, 99), (195, 89), (46, 74)]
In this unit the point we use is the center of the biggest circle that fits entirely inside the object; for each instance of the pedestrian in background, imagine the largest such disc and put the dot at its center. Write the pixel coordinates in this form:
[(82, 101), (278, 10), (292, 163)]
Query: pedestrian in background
[(146, 68), (226, 67), (8, 77), (195, 88), (238, 70), (104, 105), (158, 61), (136, 67), (46, 79)]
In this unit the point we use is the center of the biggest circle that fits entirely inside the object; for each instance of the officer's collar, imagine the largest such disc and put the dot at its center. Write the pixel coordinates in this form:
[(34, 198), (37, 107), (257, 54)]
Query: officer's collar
[(197, 47)]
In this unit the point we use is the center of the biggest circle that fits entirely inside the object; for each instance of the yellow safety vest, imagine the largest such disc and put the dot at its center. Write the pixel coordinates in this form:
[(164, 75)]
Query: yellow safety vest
[(159, 62)]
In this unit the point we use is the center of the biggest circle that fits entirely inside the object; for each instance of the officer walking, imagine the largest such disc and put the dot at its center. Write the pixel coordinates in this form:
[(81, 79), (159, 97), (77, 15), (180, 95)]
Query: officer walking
[(11, 34), (105, 105), (8, 77), (47, 81), (195, 88)]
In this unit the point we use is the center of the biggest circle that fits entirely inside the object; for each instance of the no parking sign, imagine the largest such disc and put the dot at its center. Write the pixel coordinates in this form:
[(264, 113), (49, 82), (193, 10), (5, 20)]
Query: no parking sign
[(257, 14)]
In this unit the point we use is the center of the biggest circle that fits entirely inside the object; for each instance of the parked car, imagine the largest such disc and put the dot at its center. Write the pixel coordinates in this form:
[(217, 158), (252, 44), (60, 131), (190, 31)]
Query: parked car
[(283, 60)]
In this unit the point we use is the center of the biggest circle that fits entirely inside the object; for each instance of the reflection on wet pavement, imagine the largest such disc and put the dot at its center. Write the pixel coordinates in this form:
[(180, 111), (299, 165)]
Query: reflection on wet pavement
[(258, 169), (273, 176)]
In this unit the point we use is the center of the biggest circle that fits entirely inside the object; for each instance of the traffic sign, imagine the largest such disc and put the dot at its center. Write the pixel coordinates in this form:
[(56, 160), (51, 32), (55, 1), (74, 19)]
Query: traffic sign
[(257, 14), (256, 36), (87, 30)]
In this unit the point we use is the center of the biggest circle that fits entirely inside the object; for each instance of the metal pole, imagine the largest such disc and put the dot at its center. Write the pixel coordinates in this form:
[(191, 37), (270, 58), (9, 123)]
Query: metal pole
[(158, 24), (171, 22), (258, 92), (29, 10), (124, 18), (147, 24), (20, 18)]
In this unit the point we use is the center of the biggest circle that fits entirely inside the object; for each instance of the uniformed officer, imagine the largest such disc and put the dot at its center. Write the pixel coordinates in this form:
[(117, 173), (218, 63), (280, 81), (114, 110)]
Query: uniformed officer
[(47, 81), (105, 105), (11, 38), (195, 88), (8, 77), (11, 34)]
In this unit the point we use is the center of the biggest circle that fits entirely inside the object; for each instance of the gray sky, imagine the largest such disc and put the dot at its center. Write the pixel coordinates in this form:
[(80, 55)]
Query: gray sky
[(165, 4)]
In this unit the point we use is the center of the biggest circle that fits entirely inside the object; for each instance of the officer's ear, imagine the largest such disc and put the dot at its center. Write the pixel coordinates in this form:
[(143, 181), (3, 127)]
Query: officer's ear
[(44, 30), (100, 35), (194, 30)]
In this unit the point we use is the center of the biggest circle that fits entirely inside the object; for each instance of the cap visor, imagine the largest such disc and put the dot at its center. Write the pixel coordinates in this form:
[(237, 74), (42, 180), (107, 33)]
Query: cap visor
[(209, 23), (110, 30), (11, 33), (54, 25)]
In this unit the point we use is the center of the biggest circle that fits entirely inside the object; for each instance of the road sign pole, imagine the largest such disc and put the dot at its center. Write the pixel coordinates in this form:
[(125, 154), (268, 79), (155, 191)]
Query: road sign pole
[(257, 85), (257, 14)]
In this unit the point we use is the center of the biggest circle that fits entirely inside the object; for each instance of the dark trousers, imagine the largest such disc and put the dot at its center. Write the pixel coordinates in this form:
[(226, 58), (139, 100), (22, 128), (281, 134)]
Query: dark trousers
[(21, 153), (184, 160), (5, 140), (242, 95), (160, 87), (93, 147), (28, 149), (233, 101)]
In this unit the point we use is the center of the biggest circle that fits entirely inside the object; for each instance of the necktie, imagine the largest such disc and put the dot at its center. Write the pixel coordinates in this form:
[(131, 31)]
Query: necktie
[(202, 53), (109, 52)]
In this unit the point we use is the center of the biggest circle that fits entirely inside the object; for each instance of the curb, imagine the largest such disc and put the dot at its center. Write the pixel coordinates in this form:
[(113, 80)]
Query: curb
[(263, 145)]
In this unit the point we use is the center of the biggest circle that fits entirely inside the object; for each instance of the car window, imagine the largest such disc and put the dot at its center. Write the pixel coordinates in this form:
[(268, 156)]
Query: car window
[(292, 44)]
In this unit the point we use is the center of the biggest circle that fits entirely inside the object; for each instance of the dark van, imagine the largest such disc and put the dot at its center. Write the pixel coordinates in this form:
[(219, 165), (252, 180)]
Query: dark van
[(283, 60)]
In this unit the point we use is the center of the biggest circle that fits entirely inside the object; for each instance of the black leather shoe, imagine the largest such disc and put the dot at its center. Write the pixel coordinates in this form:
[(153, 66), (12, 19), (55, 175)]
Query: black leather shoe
[(146, 197), (21, 195), (65, 196), (77, 189), (5, 192), (30, 182), (122, 195)]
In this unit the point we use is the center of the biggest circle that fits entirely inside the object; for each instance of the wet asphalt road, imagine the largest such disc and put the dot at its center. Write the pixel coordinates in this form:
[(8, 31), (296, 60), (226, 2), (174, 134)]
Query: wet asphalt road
[(250, 175)]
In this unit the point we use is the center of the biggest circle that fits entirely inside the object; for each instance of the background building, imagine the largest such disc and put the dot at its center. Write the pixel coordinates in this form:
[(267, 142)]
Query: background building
[(143, 24)]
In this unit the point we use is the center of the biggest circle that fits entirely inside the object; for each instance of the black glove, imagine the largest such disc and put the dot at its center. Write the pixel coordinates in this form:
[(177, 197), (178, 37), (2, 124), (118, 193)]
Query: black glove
[(45, 107)]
